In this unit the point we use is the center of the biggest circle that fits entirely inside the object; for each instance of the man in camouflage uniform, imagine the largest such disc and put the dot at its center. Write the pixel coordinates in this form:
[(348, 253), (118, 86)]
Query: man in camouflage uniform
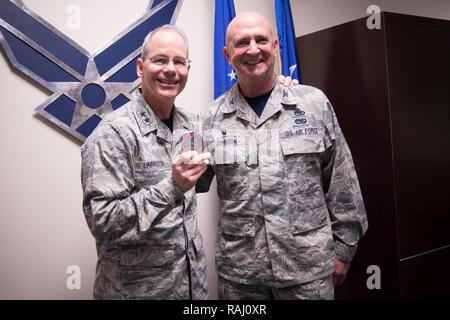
[(291, 210), (139, 204)]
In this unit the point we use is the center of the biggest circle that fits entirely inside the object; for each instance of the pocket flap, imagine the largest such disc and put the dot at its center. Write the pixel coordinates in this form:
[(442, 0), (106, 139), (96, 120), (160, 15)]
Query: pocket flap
[(232, 181), (238, 226), (230, 149), (309, 220), (148, 256), (302, 145)]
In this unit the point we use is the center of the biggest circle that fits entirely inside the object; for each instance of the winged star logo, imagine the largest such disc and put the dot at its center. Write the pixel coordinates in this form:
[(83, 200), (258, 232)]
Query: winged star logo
[(85, 86)]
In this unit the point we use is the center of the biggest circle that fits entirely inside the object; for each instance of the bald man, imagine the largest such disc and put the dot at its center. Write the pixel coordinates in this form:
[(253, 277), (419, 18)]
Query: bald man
[(291, 210)]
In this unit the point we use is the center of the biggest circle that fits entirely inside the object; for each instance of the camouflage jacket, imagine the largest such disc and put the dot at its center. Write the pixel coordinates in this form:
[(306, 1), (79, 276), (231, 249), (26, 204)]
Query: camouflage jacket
[(290, 200), (148, 241)]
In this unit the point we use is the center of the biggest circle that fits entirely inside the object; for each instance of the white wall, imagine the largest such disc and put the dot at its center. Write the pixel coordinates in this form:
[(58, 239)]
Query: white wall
[(42, 228)]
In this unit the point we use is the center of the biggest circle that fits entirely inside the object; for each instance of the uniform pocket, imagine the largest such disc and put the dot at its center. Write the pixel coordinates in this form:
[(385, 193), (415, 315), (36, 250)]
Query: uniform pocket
[(238, 226), (231, 148), (150, 172), (149, 271), (233, 181), (307, 219), (302, 165), (236, 245), (149, 256), (313, 237), (302, 145)]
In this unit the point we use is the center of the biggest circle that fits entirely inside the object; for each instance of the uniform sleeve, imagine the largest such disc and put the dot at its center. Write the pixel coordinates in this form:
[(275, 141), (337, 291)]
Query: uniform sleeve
[(114, 208), (342, 191)]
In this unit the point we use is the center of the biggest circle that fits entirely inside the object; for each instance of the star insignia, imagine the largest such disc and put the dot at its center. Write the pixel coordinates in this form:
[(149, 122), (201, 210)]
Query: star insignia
[(232, 75)]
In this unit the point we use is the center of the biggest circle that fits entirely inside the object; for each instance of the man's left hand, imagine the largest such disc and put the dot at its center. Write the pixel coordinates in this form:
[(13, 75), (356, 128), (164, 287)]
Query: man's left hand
[(340, 272)]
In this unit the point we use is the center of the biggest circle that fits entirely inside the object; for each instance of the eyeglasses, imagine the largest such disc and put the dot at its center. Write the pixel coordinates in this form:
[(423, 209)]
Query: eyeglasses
[(178, 62)]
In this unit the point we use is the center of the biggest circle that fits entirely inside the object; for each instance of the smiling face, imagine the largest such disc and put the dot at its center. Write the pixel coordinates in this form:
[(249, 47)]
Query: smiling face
[(162, 83), (251, 49)]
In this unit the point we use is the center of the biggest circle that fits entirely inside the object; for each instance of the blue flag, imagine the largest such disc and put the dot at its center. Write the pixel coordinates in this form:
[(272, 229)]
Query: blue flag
[(224, 75), (289, 65)]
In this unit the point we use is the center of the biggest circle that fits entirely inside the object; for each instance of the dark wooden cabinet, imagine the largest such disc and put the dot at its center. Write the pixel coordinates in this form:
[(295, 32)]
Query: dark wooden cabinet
[(391, 91)]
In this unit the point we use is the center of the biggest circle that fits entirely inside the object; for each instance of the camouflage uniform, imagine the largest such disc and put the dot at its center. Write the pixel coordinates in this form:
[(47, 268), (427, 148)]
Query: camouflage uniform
[(290, 200), (148, 241), (319, 289)]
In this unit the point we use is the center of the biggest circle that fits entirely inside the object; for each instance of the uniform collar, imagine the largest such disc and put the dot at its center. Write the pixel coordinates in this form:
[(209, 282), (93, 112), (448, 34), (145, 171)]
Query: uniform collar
[(235, 102), (285, 95), (148, 121), (231, 99), (145, 116)]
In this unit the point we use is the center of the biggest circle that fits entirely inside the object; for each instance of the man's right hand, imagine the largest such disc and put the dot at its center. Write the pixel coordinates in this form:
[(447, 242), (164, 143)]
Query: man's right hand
[(287, 81), (188, 167), (340, 272)]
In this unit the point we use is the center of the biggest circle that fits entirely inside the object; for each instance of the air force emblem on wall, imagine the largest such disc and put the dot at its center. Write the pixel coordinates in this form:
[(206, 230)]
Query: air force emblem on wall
[(85, 86)]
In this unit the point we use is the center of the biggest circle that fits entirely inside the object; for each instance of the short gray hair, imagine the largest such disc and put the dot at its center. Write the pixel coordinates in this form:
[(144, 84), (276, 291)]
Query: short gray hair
[(149, 37)]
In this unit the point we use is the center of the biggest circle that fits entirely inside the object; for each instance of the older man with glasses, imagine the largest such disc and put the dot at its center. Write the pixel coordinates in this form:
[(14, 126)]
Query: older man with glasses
[(138, 180)]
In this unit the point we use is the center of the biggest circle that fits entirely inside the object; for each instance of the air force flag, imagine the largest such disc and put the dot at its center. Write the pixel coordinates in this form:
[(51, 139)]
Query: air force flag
[(224, 75), (289, 65)]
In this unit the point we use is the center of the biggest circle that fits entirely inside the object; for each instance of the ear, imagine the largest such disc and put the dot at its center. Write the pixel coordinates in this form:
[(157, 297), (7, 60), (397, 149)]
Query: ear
[(275, 45), (227, 54), (139, 67)]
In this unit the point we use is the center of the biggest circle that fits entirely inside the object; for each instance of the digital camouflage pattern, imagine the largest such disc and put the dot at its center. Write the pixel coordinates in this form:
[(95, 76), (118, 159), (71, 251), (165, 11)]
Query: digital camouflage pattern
[(319, 289), (290, 200), (148, 242)]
